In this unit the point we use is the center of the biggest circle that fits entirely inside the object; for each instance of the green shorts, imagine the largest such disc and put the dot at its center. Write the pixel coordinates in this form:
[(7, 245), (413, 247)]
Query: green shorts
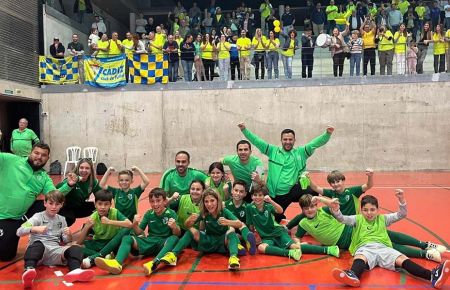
[(212, 243), (150, 246), (94, 245), (283, 241)]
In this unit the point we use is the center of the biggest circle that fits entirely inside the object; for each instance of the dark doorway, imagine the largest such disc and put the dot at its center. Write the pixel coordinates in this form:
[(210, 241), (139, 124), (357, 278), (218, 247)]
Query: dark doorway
[(11, 111)]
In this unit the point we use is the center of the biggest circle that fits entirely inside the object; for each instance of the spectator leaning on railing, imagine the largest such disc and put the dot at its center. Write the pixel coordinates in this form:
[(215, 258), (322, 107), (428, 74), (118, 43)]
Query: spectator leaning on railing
[(425, 36), (187, 57), (75, 48), (385, 41), (57, 49), (400, 41), (171, 48)]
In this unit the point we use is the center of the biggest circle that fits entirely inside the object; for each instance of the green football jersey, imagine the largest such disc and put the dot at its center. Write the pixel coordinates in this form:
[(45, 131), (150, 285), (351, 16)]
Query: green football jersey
[(239, 212), (172, 182), (348, 199), (211, 224), (126, 202), (157, 224), (263, 221), (366, 232)]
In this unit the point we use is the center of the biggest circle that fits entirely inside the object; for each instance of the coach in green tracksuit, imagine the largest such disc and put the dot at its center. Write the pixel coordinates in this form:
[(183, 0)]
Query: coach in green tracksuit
[(286, 164), (22, 139), (21, 181)]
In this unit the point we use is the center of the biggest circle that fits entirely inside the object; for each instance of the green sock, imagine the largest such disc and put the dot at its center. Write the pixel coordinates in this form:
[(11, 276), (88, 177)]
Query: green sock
[(114, 243), (410, 252), (233, 242), (244, 233), (275, 251), (313, 249), (295, 221), (185, 241), (170, 243), (403, 239), (124, 249)]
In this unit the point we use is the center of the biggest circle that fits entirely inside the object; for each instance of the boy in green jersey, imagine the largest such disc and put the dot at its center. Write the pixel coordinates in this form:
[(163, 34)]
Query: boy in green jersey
[(372, 247), (275, 239), (237, 206), (106, 223), (125, 198), (322, 226), (214, 232), (163, 232)]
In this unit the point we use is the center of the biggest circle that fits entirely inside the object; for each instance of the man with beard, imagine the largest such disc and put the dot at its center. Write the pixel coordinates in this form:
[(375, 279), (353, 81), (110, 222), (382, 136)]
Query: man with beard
[(286, 164), (177, 181), (22, 180), (244, 166)]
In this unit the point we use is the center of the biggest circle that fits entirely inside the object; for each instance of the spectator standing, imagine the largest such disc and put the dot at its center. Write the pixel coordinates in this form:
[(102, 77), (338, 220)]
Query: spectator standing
[(385, 41), (439, 48), (195, 12), (223, 50), (93, 40), (184, 28), (81, 7), (150, 26), (337, 51), (355, 44), (171, 48), (318, 19), (244, 45), (288, 51), (332, 12), (355, 21), (187, 57), (234, 59), (272, 45), (99, 25), (259, 45), (103, 46), (435, 14), (307, 54), (218, 21), (368, 31), (287, 20), (400, 41), (199, 69), (265, 9), (395, 17), (208, 49), (75, 48), (447, 15), (22, 139), (140, 24), (411, 58), (57, 49), (207, 23)]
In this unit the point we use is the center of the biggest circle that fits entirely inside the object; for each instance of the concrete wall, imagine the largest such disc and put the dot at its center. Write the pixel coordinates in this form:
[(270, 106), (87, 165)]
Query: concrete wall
[(387, 127)]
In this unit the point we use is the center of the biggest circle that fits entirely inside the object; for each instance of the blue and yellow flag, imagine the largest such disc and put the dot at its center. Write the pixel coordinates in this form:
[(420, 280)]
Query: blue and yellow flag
[(105, 72), (148, 69), (58, 71)]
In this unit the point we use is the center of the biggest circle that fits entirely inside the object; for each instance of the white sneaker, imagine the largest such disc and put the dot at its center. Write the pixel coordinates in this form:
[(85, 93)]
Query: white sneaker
[(433, 255), (86, 263), (79, 275), (440, 248), (110, 256)]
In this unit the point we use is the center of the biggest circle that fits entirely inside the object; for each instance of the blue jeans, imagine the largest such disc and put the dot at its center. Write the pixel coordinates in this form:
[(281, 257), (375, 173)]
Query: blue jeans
[(287, 64), (355, 59), (187, 69), (272, 62), (173, 71)]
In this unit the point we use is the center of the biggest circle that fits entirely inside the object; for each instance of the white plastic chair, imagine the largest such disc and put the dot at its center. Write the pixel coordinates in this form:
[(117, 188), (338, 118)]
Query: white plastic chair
[(90, 152), (73, 153)]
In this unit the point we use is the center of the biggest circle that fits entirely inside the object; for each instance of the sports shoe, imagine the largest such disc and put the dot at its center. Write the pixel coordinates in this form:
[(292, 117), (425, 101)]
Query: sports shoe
[(79, 275), (295, 254), (86, 263), (346, 277), (28, 277), (241, 250), (433, 255), (251, 243), (333, 251), (233, 263), (149, 267), (440, 274), (112, 266), (169, 259), (430, 245)]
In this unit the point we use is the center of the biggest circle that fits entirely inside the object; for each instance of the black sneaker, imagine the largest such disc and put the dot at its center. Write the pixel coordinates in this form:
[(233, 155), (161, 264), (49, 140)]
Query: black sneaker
[(346, 277), (440, 274)]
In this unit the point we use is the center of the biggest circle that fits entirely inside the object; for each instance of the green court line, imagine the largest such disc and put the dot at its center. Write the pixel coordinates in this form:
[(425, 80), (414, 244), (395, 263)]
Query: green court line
[(403, 277), (191, 270)]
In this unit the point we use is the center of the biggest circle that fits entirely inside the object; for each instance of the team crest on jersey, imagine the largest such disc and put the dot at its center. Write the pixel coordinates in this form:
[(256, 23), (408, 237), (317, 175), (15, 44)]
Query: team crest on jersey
[(130, 196), (165, 220), (242, 213), (59, 224), (347, 198), (266, 213)]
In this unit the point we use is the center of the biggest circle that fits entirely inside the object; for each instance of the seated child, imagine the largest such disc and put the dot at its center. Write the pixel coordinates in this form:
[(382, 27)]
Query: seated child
[(215, 233), (106, 223), (216, 180), (189, 203), (372, 247), (125, 198), (163, 233), (47, 229), (322, 226), (237, 206), (275, 239)]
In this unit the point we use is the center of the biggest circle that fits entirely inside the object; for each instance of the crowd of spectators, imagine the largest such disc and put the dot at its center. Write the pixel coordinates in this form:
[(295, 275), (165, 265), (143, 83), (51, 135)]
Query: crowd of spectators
[(199, 41)]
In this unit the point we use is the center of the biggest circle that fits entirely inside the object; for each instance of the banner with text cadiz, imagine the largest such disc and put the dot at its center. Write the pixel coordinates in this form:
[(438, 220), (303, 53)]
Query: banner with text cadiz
[(148, 69), (58, 71), (105, 72)]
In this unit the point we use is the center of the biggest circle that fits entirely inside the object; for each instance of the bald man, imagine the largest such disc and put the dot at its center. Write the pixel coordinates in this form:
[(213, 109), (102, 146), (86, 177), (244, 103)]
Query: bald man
[(22, 139)]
